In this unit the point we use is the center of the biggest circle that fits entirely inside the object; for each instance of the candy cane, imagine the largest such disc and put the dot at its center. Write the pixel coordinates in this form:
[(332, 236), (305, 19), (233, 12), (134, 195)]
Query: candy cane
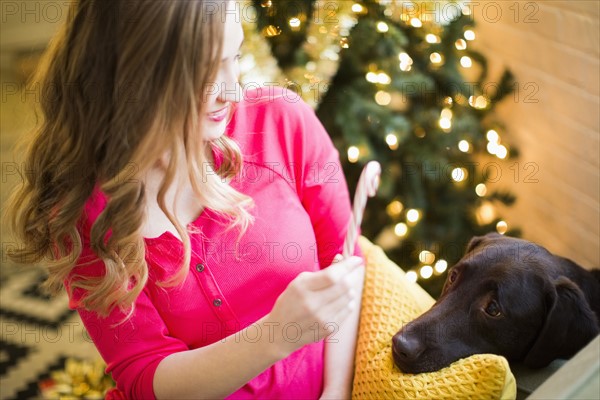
[(367, 187)]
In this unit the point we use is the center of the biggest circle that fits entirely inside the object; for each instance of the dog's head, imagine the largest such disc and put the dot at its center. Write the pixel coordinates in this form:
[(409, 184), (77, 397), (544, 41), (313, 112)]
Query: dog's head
[(506, 296)]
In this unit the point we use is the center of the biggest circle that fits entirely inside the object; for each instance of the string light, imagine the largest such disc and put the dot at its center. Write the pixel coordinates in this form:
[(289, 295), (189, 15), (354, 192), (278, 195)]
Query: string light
[(383, 78), (441, 266), (481, 190), (426, 257), (492, 136), (353, 154), (344, 43), (271, 30), (446, 113), (459, 174), (479, 102), (445, 124), (460, 99), (330, 54), (372, 77), (382, 27), (357, 8), (469, 34), (404, 57), (294, 23), (416, 22), (411, 276), (394, 208), (492, 148), (445, 121), (501, 227), (464, 146), (378, 77), (501, 151), (413, 216), (405, 61), (486, 213), (392, 141), (431, 38), (435, 58), (466, 62), (383, 98), (426, 271), (460, 44), (401, 229)]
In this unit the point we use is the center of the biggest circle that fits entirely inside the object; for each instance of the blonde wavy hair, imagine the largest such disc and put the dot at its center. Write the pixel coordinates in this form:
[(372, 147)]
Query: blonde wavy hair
[(127, 80)]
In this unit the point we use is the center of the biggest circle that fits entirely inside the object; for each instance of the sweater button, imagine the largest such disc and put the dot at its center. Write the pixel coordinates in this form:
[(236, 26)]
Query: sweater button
[(217, 302), (200, 267)]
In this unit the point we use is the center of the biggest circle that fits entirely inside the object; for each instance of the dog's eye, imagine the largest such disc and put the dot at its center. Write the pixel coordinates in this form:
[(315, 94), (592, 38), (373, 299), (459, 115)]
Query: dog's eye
[(492, 309)]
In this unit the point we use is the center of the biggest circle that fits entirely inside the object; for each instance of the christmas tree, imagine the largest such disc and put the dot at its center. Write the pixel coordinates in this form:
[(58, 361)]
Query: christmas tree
[(398, 82)]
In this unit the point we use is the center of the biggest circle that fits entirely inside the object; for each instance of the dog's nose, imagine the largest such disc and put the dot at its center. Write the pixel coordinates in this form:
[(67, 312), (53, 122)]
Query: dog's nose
[(407, 347)]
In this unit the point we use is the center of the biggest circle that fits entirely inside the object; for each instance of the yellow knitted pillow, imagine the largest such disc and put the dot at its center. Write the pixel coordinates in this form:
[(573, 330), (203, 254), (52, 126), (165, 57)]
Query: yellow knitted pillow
[(389, 300)]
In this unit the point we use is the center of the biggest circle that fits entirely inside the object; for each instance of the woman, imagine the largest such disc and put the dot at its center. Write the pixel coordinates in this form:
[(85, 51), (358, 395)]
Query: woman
[(194, 241)]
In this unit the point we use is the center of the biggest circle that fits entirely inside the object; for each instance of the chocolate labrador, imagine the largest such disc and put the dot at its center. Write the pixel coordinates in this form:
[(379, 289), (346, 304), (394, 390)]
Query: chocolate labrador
[(509, 297)]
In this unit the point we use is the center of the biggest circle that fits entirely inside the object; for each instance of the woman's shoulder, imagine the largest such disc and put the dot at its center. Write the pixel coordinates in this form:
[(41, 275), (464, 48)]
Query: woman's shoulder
[(273, 102), (94, 205), (272, 113), (270, 95)]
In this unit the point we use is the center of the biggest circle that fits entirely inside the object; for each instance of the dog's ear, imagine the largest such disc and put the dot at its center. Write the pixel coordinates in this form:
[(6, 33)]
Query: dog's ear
[(570, 324), (477, 240), (474, 242)]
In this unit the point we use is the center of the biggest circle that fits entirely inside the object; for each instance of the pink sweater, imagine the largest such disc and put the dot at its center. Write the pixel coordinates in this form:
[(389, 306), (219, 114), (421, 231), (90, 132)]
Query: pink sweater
[(292, 172)]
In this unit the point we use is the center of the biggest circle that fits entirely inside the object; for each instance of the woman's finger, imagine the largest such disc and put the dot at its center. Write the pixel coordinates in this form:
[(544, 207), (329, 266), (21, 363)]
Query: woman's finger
[(327, 313), (331, 275)]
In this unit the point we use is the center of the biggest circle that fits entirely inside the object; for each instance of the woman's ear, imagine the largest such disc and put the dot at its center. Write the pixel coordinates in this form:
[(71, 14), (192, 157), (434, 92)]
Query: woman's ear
[(570, 324)]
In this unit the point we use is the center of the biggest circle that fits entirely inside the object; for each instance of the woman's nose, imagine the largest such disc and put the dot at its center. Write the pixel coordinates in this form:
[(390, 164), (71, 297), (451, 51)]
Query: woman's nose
[(230, 91), (229, 88)]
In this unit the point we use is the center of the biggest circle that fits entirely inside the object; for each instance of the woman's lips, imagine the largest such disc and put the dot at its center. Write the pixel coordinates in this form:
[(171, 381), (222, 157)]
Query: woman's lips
[(219, 115)]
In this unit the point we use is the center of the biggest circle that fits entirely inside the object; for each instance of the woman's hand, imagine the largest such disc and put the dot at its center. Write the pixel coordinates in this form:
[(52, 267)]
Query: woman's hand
[(314, 304), (334, 395)]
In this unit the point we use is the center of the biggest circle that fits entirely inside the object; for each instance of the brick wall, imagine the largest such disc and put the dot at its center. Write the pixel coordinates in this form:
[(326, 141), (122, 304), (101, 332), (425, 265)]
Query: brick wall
[(552, 47)]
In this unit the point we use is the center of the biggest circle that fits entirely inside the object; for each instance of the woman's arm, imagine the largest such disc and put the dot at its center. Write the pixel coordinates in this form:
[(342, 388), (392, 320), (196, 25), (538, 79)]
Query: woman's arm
[(340, 349), (219, 369)]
